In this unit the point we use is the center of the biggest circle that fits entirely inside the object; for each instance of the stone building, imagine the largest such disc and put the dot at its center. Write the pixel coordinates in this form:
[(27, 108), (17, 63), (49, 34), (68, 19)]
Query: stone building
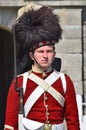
[(71, 49)]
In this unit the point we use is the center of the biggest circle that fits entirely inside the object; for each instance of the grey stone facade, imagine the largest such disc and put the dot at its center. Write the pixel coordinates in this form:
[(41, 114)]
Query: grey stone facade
[(69, 48)]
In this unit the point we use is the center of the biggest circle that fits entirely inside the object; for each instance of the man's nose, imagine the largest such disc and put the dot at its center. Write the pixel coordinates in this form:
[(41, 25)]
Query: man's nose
[(45, 54)]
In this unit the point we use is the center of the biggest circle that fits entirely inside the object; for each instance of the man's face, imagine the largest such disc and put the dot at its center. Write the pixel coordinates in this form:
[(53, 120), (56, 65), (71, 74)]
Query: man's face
[(43, 57)]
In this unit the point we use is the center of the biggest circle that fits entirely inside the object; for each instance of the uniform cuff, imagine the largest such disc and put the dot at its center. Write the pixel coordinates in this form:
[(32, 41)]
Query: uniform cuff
[(8, 127)]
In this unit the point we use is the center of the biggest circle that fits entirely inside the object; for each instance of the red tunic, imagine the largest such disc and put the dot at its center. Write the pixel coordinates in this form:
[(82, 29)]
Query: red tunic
[(38, 111)]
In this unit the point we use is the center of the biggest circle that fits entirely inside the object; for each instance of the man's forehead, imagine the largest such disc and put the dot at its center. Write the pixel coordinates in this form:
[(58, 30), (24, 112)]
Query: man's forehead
[(49, 47)]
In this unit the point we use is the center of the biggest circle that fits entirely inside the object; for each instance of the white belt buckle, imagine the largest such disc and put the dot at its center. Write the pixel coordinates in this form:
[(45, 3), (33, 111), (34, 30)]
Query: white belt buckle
[(47, 127)]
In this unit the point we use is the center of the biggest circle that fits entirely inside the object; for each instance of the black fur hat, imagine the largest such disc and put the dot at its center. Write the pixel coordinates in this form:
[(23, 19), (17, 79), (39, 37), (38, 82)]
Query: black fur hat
[(37, 25)]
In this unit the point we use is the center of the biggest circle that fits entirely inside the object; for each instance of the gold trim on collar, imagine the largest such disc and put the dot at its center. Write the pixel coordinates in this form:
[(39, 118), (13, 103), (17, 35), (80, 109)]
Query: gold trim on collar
[(34, 69)]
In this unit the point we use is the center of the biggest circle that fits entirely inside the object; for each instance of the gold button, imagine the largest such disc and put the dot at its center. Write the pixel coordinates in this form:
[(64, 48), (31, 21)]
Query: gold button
[(46, 98), (46, 106), (47, 113), (47, 121), (44, 75)]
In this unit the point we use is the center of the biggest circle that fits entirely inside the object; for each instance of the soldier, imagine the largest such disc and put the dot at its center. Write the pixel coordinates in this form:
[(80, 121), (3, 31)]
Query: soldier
[(49, 96)]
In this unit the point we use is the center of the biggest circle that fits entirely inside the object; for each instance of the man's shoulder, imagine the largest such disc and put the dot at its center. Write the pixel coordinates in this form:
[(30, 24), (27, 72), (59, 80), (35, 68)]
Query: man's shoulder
[(25, 73), (60, 73)]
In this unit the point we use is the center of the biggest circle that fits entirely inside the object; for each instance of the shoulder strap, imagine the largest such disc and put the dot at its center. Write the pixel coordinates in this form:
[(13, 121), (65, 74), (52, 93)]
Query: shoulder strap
[(25, 76), (40, 89), (63, 82), (47, 85)]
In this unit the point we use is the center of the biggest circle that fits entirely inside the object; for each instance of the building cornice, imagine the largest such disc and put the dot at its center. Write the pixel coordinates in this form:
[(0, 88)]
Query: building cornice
[(18, 3)]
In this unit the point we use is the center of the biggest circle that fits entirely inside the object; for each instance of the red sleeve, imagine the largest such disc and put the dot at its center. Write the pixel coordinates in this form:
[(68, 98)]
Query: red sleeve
[(12, 108), (71, 110)]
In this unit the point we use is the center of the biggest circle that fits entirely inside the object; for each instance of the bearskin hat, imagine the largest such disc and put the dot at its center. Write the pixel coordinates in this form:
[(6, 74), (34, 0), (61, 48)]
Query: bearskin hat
[(37, 24)]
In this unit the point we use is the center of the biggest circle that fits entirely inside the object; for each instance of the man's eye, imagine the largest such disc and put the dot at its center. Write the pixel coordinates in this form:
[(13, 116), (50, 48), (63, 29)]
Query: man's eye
[(40, 51), (50, 51)]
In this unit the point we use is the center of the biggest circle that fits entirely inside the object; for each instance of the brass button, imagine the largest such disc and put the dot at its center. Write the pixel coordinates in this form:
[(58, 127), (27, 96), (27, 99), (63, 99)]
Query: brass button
[(44, 75), (47, 121), (47, 113), (46, 106), (46, 98)]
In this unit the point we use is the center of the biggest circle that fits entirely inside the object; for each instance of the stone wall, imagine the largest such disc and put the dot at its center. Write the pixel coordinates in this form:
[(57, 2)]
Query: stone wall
[(70, 47), (84, 52)]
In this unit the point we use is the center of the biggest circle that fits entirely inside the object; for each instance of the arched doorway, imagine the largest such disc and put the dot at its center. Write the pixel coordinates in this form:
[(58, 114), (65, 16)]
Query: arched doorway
[(6, 68)]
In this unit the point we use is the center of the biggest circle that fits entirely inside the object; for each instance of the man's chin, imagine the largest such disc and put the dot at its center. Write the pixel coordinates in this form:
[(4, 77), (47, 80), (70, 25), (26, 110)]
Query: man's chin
[(45, 68)]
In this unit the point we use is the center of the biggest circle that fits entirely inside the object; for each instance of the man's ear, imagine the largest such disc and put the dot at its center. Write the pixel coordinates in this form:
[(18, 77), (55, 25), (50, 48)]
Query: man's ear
[(31, 55)]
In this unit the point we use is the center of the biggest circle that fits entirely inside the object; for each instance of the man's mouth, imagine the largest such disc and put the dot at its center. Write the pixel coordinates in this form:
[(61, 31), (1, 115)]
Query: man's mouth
[(44, 61)]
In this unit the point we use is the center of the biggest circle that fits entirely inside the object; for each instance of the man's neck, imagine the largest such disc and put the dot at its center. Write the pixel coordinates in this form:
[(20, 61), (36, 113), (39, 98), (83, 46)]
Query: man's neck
[(35, 69)]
